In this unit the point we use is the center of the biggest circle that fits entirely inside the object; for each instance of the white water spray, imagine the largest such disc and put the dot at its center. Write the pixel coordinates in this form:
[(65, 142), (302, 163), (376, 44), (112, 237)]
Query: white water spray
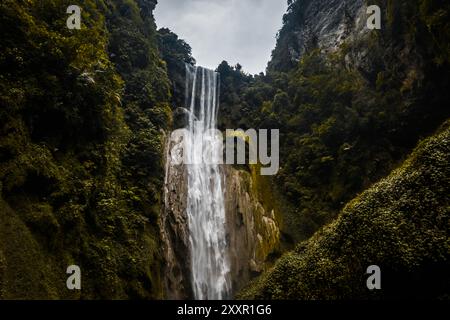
[(205, 199)]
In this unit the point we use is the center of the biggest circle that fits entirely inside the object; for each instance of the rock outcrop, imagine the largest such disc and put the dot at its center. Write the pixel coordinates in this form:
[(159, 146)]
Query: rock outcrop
[(174, 228), (324, 24), (253, 232), (399, 224)]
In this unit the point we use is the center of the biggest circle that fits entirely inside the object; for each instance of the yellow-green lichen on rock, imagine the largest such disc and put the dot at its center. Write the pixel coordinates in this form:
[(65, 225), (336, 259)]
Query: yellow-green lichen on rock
[(253, 229)]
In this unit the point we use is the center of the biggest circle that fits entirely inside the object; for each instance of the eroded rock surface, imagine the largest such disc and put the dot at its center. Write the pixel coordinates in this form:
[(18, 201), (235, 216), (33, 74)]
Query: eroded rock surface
[(252, 231)]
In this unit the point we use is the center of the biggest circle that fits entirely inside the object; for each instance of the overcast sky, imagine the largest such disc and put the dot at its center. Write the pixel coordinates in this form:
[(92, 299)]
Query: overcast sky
[(241, 31)]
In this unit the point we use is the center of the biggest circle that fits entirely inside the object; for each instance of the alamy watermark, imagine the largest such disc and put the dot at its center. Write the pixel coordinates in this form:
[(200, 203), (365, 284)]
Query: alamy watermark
[(238, 144), (74, 20), (374, 280), (74, 280), (374, 20)]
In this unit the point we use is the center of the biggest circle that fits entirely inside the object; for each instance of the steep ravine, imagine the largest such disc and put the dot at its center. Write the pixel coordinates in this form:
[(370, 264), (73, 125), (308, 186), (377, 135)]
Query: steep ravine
[(324, 24), (80, 150), (174, 228), (85, 121)]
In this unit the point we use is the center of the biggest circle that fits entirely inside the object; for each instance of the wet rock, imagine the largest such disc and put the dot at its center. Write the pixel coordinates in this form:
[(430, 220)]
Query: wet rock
[(174, 230), (252, 231), (323, 24)]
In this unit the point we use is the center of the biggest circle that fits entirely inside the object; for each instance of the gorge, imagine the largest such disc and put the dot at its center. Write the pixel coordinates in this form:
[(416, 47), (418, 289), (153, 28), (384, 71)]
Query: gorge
[(90, 171)]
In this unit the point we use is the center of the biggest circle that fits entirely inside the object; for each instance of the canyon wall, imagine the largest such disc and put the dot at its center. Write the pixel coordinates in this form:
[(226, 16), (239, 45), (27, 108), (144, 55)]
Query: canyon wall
[(252, 231), (320, 24)]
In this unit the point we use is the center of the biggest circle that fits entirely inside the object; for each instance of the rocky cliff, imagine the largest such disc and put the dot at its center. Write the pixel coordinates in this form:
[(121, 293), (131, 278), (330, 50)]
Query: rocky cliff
[(325, 24), (81, 150), (252, 231), (173, 223)]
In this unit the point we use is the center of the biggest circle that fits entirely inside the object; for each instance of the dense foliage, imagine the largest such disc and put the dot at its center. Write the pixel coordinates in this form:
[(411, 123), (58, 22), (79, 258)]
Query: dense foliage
[(346, 118), (83, 116), (80, 149), (400, 224)]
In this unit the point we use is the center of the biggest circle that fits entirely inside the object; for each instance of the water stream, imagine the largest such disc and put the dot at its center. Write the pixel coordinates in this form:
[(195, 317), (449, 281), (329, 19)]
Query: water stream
[(205, 197)]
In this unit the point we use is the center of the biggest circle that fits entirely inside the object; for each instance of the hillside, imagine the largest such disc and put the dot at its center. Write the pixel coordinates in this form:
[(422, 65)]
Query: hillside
[(85, 159), (399, 224), (81, 149), (349, 110)]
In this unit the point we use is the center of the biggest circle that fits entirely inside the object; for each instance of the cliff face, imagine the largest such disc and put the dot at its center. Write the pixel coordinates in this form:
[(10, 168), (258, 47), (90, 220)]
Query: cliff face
[(252, 231), (353, 103), (325, 24)]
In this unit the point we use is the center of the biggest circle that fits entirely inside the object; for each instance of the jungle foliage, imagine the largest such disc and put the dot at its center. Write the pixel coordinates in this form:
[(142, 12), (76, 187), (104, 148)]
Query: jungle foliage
[(399, 224), (345, 121), (81, 114), (82, 121)]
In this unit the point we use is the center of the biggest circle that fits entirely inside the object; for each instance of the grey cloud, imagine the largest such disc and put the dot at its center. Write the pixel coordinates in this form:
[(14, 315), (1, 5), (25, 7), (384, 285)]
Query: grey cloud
[(234, 30)]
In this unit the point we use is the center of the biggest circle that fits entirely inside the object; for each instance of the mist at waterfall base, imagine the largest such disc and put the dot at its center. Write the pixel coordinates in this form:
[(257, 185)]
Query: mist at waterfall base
[(210, 266)]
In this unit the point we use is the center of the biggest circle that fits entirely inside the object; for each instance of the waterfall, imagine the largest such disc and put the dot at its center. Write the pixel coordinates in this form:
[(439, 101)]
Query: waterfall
[(210, 266)]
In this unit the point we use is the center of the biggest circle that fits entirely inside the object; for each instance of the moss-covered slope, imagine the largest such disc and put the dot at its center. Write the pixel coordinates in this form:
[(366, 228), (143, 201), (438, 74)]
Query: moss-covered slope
[(400, 224)]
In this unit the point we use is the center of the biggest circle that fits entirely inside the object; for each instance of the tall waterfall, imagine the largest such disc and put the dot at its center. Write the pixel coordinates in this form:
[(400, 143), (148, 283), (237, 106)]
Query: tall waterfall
[(205, 199)]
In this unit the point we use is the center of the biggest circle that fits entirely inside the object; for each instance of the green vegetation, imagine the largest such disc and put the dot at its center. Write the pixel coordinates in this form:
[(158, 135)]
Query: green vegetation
[(82, 121), (346, 118), (399, 224), (176, 53), (81, 149)]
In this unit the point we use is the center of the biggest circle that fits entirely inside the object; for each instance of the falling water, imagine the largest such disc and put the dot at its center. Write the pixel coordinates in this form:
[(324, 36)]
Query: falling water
[(205, 200)]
